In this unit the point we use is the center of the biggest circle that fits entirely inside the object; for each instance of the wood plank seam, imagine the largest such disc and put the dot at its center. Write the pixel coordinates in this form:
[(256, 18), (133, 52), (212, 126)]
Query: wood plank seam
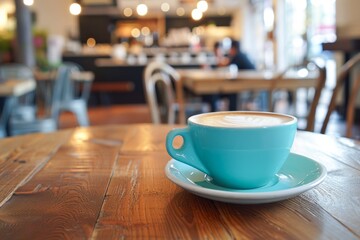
[(106, 194), (30, 174)]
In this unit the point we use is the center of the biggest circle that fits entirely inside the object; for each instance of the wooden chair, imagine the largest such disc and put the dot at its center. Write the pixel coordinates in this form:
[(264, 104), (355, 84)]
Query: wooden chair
[(320, 83), (160, 79), (343, 73)]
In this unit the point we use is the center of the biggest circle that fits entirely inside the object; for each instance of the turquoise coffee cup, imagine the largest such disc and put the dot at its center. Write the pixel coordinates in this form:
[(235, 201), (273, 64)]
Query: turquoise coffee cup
[(239, 150)]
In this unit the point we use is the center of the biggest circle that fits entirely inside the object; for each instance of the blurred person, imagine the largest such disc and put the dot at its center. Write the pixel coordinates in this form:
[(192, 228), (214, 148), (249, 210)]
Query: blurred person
[(241, 60), (219, 53), (235, 57)]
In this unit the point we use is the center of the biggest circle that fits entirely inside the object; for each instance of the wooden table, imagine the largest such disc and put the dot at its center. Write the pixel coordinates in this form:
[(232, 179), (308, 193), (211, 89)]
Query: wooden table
[(207, 81), (218, 81), (108, 182), (10, 90), (15, 87), (82, 76)]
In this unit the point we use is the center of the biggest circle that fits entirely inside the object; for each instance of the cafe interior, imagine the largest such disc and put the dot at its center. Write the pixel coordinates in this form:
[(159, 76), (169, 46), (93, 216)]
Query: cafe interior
[(179, 119), (91, 62)]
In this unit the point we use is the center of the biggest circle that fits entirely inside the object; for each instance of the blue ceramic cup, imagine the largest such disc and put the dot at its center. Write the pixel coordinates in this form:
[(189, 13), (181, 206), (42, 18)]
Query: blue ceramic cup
[(239, 150)]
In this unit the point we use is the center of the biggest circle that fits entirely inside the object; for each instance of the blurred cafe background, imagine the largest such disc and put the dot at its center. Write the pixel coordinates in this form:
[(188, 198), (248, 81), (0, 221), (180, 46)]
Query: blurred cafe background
[(112, 42)]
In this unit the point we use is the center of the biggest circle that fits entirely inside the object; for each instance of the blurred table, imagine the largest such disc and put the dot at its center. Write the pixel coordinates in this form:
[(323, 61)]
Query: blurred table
[(207, 81), (108, 182), (10, 90), (15, 87), (75, 76), (223, 81)]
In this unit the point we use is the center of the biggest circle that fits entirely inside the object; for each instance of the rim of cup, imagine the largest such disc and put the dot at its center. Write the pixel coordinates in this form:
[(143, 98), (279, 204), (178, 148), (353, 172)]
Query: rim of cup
[(291, 122)]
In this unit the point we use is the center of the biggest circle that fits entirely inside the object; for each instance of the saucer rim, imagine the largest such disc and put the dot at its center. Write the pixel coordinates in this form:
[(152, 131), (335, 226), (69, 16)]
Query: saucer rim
[(237, 194)]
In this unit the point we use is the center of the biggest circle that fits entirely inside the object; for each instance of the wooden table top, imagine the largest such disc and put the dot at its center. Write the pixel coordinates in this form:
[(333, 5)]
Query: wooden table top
[(108, 182), (220, 81), (86, 76), (209, 81), (15, 87)]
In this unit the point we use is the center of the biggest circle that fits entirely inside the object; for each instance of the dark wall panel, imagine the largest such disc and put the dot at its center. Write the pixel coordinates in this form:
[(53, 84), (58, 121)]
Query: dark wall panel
[(95, 26)]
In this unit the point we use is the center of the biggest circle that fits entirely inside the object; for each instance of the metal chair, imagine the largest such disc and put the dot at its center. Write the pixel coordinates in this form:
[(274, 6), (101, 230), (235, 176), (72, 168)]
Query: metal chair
[(48, 122), (344, 71), (159, 81), (6, 106), (75, 95), (166, 111)]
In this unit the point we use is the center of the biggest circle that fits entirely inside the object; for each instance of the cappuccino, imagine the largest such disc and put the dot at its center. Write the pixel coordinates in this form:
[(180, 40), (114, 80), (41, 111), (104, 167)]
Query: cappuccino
[(239, 150), (240, 119)]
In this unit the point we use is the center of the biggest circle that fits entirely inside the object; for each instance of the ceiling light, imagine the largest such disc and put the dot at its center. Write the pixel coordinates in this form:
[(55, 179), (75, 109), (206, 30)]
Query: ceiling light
[(75, 9), (128, 12), (28, 2), (180, 11), (142, 9), (135, 32), (269, 19), (145, 31), (91, 42), (196, 14), (3, 18), (202, 5), (165, 7)]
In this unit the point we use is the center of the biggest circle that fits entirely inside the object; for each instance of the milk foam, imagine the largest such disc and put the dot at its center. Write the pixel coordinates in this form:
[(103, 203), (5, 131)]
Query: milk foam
[(240, 120)]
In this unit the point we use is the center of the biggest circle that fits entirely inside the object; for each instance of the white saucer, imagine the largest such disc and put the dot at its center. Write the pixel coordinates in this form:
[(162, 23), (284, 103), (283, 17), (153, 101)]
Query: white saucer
[(298, 175)]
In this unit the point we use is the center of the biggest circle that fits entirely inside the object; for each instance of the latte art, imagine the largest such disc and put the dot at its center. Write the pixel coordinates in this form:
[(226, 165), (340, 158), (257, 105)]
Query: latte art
[(249, 121), (240, 119)]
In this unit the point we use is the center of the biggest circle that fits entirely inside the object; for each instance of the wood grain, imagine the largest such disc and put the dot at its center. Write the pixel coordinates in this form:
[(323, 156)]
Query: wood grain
[(339, 193), (22, 157), (169, 213), (65, 196), (142, 203), (108, 182), (146, 138)]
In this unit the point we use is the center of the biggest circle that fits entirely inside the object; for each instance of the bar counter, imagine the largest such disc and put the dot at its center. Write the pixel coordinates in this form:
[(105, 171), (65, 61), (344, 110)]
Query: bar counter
[(121, 82)]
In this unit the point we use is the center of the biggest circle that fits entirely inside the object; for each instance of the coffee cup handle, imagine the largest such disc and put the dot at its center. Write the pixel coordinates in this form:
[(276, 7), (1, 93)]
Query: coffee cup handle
[(186, 153)]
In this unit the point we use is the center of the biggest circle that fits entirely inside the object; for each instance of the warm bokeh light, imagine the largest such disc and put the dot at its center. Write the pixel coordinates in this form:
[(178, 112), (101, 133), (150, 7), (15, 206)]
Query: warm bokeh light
[(269, 19), (28, 2), (145, 31), (3, 18), (128, 12), (202, 5), (142, 9), (135, 32), (165, 7), (180, 11), (196, 14), (75, 9), (91, 42), (82, 134), (303, 72)]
